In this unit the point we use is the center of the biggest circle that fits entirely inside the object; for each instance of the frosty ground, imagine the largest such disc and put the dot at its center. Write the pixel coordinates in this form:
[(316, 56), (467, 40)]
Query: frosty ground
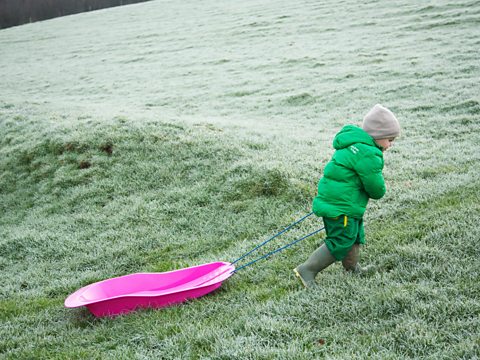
[(168, 134)]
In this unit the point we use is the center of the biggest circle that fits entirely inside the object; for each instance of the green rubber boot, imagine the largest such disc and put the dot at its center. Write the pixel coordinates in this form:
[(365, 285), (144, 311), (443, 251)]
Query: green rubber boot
[(318, 260), (350, 262)]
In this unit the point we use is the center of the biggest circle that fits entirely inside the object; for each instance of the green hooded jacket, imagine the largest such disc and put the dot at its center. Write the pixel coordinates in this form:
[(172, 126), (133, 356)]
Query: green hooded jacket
[(353, 175)]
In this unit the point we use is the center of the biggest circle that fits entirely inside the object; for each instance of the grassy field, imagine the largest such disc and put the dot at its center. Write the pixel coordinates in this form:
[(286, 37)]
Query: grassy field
[(167, 134)]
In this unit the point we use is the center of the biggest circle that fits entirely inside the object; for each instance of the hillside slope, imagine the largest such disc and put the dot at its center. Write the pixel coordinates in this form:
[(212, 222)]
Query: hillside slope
[(168, 134)]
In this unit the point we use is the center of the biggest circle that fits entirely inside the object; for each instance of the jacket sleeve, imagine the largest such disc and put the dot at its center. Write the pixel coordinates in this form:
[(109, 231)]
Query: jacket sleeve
[(369, 168)]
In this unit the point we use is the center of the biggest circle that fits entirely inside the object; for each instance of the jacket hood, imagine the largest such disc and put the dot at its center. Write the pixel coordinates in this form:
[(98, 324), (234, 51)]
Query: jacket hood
[(351, 134)]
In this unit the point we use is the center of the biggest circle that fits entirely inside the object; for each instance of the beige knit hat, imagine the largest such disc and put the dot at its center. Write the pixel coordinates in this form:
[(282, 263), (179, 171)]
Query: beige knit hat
[(380, 123)]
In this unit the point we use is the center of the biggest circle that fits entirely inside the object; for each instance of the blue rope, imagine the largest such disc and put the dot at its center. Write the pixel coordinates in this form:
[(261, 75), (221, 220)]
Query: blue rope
[(273, 237), (278, 250)]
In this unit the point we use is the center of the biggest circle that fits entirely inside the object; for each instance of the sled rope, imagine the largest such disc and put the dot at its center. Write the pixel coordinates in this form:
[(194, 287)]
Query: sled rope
[(272, 238), (278, 250)]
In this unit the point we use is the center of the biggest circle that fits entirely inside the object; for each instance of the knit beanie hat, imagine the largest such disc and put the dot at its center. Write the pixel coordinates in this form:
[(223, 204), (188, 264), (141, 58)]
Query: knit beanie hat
[(380, 123)]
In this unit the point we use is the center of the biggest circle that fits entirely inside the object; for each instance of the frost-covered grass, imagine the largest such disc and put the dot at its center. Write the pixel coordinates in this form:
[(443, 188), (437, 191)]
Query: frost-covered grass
[(167, 134)]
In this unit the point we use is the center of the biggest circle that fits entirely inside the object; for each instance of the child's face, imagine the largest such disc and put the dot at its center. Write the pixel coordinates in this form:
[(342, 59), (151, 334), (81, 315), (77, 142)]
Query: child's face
[(385, 144)]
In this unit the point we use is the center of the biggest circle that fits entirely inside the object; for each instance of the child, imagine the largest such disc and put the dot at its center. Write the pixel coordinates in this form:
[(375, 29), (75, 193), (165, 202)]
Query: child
[(353, 175)]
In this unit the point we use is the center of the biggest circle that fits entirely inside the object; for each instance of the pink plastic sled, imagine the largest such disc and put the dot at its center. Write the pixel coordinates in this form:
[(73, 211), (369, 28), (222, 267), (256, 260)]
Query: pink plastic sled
[(123, 294)]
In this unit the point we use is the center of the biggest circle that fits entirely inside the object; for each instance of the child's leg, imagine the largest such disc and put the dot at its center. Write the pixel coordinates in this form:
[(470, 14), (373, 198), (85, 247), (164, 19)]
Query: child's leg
[(342, 234), (318, 260), (350, 262)]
